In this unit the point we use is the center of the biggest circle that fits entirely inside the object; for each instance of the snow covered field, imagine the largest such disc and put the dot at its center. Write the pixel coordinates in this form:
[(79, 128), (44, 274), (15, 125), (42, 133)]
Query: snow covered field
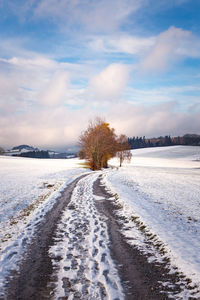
[(28, 188), (24, 179), (160, 191), (159, 196)]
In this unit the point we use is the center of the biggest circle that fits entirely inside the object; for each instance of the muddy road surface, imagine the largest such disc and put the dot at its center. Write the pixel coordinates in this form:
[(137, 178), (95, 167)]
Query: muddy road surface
[(79, 252)]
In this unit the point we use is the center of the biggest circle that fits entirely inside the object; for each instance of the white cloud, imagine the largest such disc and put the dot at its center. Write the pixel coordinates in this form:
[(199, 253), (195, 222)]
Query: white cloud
[(122, 44), (101, 15), (23, 120), (184, 94), (47, 128), (30, 79), (37, 61), (109, 83), (21, 79), (93, 15), (170, 46), (56, 127), (151, 121), (56, 90), (154, 53)]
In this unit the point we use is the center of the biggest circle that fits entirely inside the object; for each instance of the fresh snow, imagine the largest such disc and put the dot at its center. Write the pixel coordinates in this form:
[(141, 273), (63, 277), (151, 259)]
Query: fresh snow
[(161, 187), (26, 182), (25, 179)]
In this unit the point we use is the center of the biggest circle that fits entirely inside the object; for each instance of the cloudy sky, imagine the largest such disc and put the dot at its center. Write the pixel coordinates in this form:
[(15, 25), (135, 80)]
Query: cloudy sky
[(135, 63)]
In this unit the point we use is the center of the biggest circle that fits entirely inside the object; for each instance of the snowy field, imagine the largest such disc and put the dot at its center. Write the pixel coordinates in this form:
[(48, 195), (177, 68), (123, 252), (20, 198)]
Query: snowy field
[(28, 189), (159, 196), (160, 192), (23, 180)]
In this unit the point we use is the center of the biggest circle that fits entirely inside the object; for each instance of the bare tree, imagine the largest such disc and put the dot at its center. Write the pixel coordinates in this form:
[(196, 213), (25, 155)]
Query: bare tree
[(123, 148)]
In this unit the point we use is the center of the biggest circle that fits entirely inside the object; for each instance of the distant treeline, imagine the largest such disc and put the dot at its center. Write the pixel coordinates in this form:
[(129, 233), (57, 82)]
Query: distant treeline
[(34, 154), (142, 142), (1, 151)]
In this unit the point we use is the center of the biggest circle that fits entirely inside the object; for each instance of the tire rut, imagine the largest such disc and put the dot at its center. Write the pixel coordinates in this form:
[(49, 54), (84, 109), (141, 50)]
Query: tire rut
[(85, 270), (30, 282), (139, 278)]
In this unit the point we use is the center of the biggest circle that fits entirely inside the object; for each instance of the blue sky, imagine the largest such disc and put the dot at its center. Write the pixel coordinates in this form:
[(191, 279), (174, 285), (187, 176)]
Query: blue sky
[(135, 63)]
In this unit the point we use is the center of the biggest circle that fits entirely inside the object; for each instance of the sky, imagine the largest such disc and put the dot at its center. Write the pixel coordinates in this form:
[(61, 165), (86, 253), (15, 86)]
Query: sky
[(134, 63)]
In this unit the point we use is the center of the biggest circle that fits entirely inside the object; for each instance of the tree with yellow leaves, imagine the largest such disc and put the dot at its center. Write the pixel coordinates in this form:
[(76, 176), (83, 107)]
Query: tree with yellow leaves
[(98, 144)]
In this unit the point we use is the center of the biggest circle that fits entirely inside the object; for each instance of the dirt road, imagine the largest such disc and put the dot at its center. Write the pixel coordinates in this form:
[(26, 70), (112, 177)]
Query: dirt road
[(79, 252)]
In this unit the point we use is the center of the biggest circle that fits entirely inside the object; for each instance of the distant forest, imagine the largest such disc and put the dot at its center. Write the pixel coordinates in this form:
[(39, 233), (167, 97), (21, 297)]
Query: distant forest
[(142, 142), (34, 154)]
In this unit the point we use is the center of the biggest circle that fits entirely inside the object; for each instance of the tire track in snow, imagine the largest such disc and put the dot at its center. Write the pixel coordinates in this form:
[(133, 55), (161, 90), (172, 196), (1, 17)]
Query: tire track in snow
[(81, 255), (30, 279)]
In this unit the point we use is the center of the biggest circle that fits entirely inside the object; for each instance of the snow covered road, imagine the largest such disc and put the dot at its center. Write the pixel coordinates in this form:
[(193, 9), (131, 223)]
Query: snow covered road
[(69, 255), (86, 270)]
